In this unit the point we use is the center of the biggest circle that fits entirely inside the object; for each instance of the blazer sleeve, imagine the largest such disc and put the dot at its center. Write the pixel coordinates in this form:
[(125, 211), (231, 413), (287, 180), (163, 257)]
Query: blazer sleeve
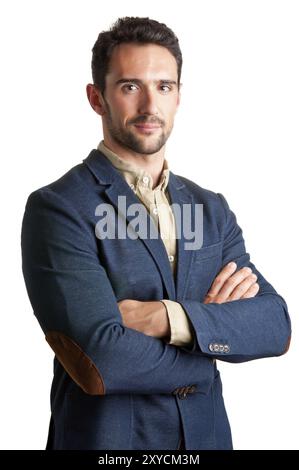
[(240, 330), (75, 304)]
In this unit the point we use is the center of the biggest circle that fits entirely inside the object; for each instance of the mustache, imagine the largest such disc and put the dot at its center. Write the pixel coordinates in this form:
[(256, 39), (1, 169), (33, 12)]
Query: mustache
[(147, 120)]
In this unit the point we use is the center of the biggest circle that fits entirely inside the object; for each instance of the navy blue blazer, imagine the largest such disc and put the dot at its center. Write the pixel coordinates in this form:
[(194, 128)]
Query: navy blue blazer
[(114, 387)]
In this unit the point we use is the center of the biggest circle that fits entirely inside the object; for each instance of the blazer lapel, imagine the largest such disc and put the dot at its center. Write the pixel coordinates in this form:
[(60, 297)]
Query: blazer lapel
[(117, 186), (180, 196)]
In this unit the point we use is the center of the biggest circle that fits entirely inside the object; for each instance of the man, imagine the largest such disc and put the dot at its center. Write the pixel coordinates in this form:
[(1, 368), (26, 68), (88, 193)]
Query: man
[(137, 322)]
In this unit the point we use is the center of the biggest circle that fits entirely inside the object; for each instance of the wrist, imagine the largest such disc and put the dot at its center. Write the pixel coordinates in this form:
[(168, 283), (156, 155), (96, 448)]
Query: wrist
[(162, 321)]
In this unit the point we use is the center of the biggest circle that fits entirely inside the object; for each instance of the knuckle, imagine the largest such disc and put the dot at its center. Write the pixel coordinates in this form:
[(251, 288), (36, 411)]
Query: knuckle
[(241, 289), (253, 286), (230, 282), (253, 290), (246, 270), (239, 292)]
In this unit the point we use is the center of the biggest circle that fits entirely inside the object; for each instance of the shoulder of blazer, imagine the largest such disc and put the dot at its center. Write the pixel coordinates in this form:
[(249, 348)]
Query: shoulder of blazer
[(211, 200), (82, 179)]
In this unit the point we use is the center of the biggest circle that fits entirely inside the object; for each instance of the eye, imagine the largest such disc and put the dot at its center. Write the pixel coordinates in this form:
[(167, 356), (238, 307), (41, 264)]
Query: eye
[(165, 88), (130, 88)]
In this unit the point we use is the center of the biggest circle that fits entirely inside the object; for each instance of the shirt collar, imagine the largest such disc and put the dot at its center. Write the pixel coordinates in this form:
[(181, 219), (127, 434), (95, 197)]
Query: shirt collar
[(133, 174)]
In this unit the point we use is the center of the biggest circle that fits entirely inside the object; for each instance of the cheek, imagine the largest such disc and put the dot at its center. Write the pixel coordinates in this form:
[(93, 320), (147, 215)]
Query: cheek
[(124, 110), (169, 119), (170, 111)]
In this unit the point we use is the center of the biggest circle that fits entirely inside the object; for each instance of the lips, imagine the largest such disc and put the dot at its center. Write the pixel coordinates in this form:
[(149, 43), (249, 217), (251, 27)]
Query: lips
[(147, 126)]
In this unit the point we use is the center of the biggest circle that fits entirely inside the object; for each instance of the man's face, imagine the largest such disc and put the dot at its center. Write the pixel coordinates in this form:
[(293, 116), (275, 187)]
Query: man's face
[(141, 97)]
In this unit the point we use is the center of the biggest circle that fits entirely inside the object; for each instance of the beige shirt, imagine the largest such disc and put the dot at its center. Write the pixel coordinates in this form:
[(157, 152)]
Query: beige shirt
[(156, 201)]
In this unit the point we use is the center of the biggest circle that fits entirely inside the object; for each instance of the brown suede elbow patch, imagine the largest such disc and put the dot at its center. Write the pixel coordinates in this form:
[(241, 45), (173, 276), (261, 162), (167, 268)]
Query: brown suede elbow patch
[(76, 363)]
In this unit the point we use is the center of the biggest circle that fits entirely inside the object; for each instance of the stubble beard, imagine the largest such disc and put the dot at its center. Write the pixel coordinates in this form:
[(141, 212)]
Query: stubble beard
[(128, 139)]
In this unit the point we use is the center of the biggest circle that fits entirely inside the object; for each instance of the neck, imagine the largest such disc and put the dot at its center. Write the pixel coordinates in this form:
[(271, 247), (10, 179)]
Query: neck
[(152, 164)]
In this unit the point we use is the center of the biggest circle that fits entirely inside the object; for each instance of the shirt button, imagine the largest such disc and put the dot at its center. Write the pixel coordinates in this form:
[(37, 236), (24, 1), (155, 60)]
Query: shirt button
[(155, 210), (145, 179), (171, 258), (132, 186)]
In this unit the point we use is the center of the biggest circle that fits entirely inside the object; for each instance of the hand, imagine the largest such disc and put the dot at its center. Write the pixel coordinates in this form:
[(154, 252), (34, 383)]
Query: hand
[(150, 318), (230, 285)]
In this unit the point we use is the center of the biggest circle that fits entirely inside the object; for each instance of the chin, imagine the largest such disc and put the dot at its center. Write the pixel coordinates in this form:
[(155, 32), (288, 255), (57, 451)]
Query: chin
[(149, 150)]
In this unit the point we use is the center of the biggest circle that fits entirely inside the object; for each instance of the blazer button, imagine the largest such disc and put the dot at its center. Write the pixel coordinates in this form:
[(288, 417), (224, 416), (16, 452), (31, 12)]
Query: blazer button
[(226, 348), (183, 393), (177, 391)]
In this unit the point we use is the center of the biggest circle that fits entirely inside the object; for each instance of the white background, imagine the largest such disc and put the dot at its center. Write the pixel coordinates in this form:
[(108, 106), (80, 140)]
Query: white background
[(236, 133)]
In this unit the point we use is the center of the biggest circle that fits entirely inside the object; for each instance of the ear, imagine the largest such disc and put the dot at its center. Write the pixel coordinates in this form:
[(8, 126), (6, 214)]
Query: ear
[(95, 99)]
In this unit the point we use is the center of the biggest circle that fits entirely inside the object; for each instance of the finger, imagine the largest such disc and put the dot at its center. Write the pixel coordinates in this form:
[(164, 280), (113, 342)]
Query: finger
[(243, 287), (220, 279), (231, 283), (126, 305), (252, 291)]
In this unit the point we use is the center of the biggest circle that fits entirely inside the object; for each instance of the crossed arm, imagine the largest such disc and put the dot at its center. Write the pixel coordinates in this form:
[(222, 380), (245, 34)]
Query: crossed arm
[(74, 302), (151, 317)]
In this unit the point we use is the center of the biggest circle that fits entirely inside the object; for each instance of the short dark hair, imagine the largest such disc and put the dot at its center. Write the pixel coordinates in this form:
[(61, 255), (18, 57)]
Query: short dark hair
[(131, 30)]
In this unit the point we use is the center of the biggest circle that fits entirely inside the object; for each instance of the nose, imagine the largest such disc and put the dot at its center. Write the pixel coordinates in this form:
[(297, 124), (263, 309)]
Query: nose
[(148, 103)]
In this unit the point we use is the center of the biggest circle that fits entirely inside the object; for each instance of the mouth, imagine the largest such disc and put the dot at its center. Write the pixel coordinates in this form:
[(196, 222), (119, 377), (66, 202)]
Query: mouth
[(147, 128)]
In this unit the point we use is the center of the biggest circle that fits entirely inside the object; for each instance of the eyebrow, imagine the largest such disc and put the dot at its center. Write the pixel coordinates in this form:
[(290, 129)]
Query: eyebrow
[(140, 82)]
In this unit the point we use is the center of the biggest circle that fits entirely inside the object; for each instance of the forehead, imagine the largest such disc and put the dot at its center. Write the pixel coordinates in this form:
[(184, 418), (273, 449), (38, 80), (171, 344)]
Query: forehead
[(144, 61)]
